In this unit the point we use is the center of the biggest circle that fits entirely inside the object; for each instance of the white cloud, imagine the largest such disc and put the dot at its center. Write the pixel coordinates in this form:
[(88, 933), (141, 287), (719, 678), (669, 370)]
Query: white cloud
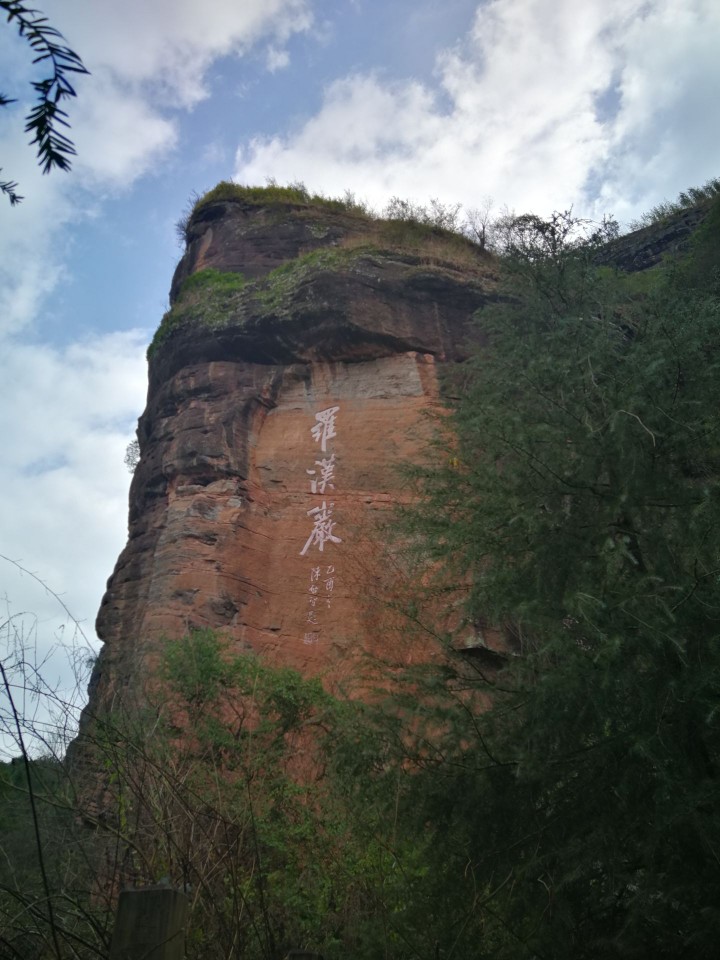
[(515, 112), (118, 137), (29, 267), (277, 59), (64, 482), (74, 410), (145, 58), (663, 138), (169, 44)]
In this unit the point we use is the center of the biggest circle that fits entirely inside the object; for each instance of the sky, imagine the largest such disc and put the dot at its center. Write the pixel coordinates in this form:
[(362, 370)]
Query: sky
[(605, 106)]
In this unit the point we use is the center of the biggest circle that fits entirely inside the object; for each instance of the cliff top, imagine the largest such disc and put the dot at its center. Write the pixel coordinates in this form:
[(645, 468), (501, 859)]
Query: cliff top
[(279, 274), (276, 274)]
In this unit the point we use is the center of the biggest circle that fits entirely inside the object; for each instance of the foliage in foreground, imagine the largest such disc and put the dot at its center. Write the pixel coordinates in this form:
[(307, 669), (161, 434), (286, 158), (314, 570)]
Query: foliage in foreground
[(579, 502), (223, 788)]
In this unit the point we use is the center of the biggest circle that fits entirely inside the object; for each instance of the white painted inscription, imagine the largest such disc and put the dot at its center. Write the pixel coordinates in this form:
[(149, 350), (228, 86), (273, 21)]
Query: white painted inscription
[(322, 531), (319, 484), (322, 480), (324, 429)]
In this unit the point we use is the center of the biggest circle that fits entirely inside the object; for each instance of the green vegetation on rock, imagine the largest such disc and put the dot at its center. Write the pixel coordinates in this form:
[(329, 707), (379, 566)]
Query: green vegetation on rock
[(423, 238), (400, 221), (212, 280), (207, 297), (213, 300), (275, 291)]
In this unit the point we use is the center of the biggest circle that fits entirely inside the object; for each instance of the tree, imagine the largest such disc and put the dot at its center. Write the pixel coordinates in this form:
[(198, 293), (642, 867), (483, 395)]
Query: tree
[(479, 223), (54, 148), (577, 497), (132, 455)]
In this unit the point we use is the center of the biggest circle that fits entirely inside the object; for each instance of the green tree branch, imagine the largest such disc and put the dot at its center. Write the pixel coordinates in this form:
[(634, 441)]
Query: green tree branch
[(44, 121)]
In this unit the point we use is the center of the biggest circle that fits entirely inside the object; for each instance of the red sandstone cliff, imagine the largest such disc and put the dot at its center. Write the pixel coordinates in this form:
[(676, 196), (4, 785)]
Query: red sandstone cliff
[(277, 412)]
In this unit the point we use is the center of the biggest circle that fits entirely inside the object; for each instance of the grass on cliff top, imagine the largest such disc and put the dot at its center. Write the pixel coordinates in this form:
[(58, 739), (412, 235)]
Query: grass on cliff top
[(400, 220), (273, 193), (437, 230), (430, 236)]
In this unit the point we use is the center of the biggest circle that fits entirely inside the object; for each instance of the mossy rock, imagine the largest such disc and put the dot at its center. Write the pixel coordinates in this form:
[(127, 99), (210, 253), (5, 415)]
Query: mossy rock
[(206, 297)]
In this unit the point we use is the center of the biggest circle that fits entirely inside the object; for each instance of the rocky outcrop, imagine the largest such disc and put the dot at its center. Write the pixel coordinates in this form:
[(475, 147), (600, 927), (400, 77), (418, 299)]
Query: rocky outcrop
[(254, 239), (293, 374), (278, 412), (645, 248)]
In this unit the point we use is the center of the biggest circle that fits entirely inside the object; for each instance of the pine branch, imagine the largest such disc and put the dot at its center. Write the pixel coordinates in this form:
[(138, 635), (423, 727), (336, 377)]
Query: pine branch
[(54, 149), (8, 187)]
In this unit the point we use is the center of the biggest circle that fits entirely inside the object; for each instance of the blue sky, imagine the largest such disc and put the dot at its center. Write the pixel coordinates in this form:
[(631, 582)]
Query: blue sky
[(604, 105)]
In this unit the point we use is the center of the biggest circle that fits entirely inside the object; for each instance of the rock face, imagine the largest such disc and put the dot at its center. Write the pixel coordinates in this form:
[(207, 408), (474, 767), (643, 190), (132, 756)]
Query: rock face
[(645, 248), (277, 413)]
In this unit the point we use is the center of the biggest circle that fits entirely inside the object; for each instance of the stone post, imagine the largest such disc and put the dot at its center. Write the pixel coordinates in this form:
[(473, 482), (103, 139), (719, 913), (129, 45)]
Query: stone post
[(150, 925)]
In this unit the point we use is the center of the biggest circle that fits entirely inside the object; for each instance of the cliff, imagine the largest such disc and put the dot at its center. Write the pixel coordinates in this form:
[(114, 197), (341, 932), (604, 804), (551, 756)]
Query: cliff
[(291, 376)]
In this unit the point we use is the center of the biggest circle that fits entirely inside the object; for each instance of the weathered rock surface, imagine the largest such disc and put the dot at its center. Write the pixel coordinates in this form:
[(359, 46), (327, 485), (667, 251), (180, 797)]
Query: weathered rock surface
[(270, 445), (243, 237), (645, 248)]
